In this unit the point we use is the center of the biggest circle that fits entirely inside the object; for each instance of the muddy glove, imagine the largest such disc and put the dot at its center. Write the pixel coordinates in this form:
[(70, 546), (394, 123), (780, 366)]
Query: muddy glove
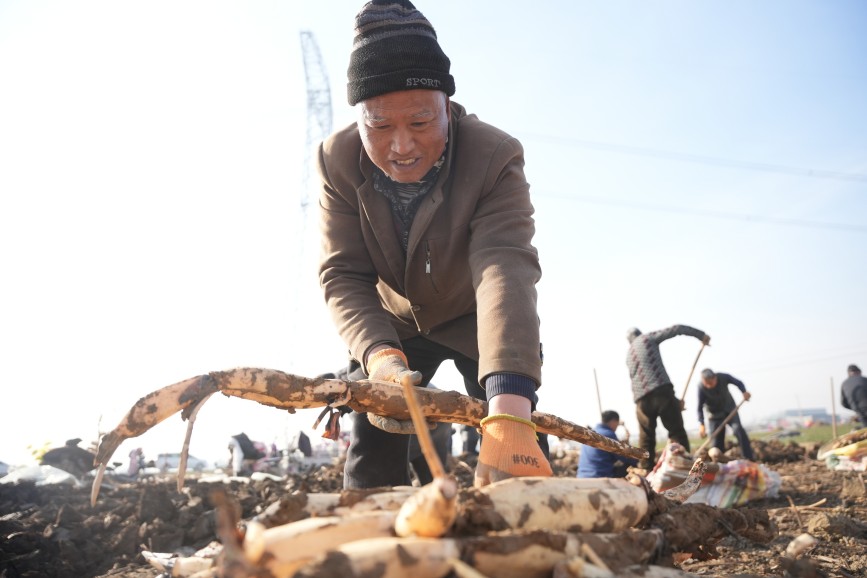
[(509, 449), (390, 365)]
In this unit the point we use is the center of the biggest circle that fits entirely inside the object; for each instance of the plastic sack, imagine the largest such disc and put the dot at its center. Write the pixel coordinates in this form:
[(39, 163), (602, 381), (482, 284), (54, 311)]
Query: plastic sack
[(736, 483), (731, 484), (847, 452)]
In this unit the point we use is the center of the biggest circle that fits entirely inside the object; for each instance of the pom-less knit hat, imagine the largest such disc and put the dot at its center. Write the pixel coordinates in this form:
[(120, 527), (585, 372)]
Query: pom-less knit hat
[(395, 48)]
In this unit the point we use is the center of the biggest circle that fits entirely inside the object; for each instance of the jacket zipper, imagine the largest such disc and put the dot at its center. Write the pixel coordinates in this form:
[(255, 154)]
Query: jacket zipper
[(427, 266)]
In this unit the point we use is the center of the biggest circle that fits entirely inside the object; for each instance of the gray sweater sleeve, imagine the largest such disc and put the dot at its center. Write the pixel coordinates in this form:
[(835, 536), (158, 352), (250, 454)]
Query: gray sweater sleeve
[(675, 330)]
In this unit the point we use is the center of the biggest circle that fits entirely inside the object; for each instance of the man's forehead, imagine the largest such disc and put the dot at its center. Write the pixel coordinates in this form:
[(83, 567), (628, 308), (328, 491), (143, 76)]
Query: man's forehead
[(410, 103), (374, 112)]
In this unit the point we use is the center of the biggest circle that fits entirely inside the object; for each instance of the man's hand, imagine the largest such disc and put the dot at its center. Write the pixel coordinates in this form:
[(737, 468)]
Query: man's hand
[(747, 396), (706, 339), (682, 405), (702, 433), (509, 449), (390, 365)]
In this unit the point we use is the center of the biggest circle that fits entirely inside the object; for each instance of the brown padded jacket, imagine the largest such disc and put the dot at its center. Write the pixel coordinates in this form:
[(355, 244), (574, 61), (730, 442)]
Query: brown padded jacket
[(468, 278)]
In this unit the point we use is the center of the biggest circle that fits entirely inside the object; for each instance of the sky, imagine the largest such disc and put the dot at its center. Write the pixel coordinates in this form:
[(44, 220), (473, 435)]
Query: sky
[(694, 163)]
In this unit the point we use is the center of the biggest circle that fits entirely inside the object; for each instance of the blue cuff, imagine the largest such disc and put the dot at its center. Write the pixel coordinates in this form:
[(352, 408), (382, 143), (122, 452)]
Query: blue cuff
[(512, 383)]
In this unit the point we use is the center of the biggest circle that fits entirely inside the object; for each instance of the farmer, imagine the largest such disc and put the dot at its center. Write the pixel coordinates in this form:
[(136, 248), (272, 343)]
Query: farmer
[(652, 389), (713, 393), (596, 463), (426, 251), (853, 393)]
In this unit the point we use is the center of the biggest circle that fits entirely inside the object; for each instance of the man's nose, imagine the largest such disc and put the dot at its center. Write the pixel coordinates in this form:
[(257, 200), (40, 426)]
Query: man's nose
[(402, 141)]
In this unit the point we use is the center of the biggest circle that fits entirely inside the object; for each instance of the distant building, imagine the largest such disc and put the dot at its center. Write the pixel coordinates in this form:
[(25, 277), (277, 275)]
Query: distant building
[(799, 418)]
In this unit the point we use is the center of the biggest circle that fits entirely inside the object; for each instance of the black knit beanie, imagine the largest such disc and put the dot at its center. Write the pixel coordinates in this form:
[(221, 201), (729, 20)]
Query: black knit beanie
[(395, 48)]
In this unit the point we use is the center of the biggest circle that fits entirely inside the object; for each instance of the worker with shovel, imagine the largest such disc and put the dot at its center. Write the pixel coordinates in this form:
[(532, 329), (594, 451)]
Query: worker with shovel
[(714, 394), (652, 388)]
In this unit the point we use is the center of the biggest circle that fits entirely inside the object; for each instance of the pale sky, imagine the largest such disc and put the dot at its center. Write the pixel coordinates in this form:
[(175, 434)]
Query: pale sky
[(697, 163)]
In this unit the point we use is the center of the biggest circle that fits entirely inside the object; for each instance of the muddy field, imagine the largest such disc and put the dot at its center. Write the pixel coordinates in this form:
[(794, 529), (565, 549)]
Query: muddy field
[(52, 531)]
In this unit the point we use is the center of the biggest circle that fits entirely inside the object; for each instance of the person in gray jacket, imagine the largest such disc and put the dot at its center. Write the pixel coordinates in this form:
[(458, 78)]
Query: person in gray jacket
[(652, 389), (426, 247), (853, 394)]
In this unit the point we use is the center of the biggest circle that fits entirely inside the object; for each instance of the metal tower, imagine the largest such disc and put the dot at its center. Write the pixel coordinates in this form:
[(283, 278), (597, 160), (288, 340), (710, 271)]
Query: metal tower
[(318, 109)]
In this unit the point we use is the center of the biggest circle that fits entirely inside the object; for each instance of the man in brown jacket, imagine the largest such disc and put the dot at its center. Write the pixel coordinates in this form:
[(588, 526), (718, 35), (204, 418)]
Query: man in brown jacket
[(427, 252)]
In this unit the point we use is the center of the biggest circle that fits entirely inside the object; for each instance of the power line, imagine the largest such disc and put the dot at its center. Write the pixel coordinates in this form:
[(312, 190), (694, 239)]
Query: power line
[(701, 159), (706, 213), (841, 355)]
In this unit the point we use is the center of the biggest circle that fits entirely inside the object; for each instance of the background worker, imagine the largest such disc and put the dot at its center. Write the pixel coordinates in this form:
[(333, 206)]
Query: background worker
[(469, 439), (714, 394), (426, 252), (652, 389), (596, 463), (853, 393), (243, 453)]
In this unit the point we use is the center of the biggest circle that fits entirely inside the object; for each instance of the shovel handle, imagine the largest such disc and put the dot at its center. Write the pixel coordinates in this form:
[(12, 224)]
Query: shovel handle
[(688, 379)]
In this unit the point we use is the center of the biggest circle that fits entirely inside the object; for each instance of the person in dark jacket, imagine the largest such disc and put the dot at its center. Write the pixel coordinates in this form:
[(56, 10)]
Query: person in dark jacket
[(853, 393), (469, 439), (714, 394), (596, 463), (652, 389), (427, 248)]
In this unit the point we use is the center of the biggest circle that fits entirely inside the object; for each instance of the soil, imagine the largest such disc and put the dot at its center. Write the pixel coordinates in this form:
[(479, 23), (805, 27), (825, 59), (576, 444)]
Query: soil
[(52, 531)]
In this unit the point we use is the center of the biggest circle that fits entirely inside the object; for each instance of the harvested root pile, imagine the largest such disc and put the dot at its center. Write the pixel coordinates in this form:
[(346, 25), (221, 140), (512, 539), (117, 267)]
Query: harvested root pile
[(520, 527), (530, 526), (563, 527), (53, 531)]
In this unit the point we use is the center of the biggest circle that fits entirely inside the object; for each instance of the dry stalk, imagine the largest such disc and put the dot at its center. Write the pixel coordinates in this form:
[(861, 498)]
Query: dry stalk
[(814, 506), (795, 510)]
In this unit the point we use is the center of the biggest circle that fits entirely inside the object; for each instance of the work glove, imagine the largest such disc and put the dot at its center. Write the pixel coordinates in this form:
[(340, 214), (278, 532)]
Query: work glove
[(509, 449), (391, 365), (702, 433)]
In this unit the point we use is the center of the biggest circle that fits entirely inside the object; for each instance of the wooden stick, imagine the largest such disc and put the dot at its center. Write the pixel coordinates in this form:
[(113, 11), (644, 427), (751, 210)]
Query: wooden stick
[(719, 428), (688, 379), (422, 432), (599, 397)]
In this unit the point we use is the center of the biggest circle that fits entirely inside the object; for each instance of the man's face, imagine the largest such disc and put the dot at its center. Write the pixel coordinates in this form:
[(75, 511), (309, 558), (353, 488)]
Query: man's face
[(404, 133), (709, 382)]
